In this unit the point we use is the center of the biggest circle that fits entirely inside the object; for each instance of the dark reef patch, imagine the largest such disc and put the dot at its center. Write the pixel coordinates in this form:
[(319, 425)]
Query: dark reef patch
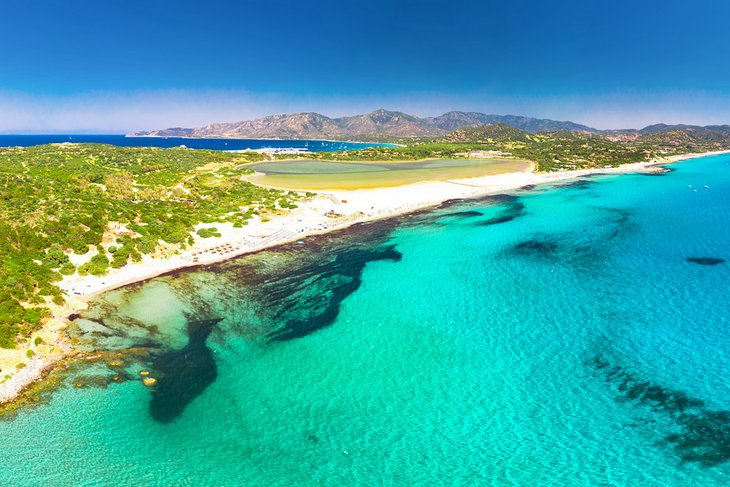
[(182, 375), (297, 289), (512, 208), (464, 214), (584, 249), (705, 260), (515, 210), (309, 299), (620, 216), (620, 220), (445, 204), (578, 184), (699, 434), (117, 332), (536, 247), (501, 198)]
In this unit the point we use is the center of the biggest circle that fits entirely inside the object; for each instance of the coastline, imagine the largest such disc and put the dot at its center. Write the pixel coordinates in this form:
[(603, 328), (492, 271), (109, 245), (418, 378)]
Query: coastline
[(326, 212), (380, 144)]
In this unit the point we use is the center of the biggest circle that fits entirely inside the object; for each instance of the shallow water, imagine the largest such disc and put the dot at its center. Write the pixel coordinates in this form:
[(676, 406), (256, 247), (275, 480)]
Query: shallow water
[(324, 175), (559, 337)]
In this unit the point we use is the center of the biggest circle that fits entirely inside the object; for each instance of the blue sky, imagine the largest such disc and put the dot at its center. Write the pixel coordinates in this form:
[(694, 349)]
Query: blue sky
[(129, 65)]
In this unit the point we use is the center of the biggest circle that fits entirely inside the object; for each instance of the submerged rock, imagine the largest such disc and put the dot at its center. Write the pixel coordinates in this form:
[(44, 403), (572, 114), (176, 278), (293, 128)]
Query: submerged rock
[(183, 374), (698, 433), (464, 214), (512, 208), (536, 247), (310, 299), (705, 260), (577, 184)]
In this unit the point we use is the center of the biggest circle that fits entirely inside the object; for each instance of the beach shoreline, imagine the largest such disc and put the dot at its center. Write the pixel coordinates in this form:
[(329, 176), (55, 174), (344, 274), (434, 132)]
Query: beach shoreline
[(326, 212)]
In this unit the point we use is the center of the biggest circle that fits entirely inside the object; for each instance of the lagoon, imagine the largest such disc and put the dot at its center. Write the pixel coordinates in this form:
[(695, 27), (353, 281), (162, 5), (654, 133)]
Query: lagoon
[(325, 175)]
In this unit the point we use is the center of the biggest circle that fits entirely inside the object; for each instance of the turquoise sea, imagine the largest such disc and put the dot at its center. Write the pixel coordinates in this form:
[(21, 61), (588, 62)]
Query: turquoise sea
[(573, 335)]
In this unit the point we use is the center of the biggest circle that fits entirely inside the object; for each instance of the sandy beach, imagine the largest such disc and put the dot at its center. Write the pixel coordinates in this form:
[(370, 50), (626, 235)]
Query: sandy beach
[(331, 210), (327, 211)]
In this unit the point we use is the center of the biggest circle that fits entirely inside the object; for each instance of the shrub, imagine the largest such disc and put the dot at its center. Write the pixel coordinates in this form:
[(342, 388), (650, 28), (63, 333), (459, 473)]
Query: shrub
[(208, 232), (146, 245), (97, 266), (8, 332)]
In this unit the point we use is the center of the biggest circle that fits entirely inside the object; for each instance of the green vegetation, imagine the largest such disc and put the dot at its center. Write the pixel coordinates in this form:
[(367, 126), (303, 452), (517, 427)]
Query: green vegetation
[(554, 151), (111, 205), (208, 232)]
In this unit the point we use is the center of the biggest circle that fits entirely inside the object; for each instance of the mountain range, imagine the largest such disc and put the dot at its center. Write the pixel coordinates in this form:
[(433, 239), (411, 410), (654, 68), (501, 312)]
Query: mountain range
[(376, 125), (383, 124)]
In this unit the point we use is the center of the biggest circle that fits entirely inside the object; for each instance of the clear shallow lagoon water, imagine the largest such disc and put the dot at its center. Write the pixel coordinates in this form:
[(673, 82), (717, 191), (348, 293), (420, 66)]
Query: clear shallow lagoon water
[(554, 337), (214, 144)]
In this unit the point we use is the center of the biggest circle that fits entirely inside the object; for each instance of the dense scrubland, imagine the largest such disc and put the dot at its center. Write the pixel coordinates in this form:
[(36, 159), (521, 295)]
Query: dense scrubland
[(551, 151), (61, 200)]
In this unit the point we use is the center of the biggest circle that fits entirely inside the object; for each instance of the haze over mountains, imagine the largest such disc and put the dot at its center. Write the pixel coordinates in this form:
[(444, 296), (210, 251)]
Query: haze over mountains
[(384, 124)]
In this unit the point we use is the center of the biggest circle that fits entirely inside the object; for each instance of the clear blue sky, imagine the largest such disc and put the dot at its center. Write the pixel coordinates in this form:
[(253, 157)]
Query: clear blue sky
[(133, 64)]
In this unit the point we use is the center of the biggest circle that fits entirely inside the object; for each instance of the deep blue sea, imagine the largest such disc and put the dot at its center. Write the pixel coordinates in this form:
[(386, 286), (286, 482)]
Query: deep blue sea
[(215, 144), (574, 335)]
